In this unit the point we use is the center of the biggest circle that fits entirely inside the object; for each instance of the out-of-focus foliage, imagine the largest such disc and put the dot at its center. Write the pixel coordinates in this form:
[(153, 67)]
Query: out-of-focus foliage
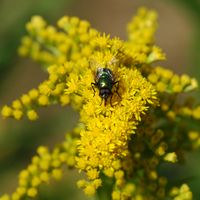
[(14, 14), (192, 8)]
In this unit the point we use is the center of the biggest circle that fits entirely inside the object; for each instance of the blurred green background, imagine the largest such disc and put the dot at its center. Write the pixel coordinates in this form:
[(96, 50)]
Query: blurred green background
[(178, 35)]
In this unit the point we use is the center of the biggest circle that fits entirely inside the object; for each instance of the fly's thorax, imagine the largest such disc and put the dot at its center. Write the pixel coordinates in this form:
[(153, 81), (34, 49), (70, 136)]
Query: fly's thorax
[(104, 72), (105, 82)]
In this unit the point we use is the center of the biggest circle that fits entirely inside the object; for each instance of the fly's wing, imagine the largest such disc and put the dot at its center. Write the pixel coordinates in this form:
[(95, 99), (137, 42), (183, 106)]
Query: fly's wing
[(113, 65), (95, 68)]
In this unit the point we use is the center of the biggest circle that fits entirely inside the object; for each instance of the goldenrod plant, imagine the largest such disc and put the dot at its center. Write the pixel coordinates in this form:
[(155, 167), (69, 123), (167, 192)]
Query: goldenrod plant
[(131, 122)]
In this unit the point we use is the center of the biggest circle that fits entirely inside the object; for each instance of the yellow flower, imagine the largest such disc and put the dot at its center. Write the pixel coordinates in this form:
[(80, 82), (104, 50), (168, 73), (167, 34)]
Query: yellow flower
[(108, 130)]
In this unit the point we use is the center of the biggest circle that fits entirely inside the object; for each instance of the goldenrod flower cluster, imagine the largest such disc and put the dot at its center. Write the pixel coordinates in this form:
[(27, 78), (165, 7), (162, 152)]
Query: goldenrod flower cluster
[(142, 125)]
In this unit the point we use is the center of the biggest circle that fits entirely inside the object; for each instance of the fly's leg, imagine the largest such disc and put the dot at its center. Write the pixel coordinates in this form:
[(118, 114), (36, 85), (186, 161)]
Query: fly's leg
[(93, 85), (111, 99), (117, 88), (102, 102)]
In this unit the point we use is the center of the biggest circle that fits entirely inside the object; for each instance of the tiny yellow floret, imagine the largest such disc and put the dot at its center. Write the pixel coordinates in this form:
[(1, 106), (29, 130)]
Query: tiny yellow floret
[(32, 192), (171, 157), (32, 115), (90, 190), (6, 111)]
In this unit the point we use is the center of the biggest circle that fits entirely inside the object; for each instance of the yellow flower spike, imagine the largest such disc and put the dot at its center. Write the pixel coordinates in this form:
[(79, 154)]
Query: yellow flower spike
[(101, 125), (171, 157), (6, 111), (32, 192), (32, 115)]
